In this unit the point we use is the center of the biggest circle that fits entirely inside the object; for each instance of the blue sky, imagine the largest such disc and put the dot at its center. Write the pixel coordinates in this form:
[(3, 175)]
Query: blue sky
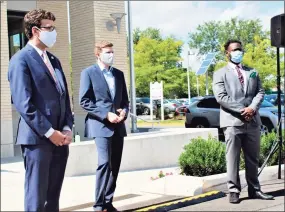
[(180, 17)]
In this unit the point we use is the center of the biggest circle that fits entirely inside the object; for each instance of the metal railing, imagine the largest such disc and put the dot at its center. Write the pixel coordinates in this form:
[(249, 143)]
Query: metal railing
[(148, 121)]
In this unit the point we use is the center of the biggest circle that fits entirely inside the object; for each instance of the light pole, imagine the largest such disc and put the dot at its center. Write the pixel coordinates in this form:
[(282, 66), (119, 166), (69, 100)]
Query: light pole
[(132, 72), (188, 79)]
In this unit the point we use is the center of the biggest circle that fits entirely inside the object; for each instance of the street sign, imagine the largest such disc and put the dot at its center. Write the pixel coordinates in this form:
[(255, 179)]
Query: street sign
[(156, 91), (206, 63)]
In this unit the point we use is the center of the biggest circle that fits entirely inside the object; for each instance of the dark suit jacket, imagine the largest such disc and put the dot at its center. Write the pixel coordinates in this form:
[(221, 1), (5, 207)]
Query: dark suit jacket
[(36, 97), (95, 98)]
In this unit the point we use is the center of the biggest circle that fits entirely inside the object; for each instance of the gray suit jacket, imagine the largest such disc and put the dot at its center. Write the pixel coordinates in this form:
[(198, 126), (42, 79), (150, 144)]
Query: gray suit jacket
[(230, 95)]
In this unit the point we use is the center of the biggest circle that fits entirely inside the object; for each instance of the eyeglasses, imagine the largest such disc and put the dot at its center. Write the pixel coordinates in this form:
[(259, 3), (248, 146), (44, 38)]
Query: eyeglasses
[(49, 28)]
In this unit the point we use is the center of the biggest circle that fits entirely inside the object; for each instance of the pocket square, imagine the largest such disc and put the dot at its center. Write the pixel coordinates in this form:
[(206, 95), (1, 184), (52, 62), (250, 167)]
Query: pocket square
[(253, 75)]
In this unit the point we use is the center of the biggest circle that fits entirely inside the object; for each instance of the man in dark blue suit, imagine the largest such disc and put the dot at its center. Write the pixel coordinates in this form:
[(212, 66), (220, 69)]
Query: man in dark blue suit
[(40, 95), (103, 94)]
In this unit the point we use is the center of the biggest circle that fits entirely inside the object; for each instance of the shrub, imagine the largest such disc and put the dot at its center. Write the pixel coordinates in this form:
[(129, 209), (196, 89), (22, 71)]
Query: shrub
[(203, 157)]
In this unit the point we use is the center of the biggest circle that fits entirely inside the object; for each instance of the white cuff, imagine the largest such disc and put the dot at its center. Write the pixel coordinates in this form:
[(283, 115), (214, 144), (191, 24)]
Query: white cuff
[(67, 128), (49, 132)]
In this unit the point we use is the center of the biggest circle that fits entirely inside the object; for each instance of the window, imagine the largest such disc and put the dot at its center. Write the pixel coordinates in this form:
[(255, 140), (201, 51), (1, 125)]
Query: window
[(208, 103)]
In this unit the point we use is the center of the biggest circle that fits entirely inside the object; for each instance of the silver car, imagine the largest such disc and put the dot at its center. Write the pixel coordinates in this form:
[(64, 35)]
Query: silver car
[(205, 113)]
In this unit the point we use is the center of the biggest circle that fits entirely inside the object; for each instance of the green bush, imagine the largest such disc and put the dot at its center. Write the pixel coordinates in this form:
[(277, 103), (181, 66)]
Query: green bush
[(203, 157)]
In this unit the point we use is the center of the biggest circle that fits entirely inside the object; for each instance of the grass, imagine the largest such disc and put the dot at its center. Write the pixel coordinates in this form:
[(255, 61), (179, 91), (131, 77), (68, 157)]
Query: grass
[(168, 122)]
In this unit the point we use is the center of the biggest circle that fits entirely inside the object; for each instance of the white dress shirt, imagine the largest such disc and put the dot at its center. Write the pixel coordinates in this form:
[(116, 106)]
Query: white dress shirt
[(110, 79), (51, 130), (233, 67)]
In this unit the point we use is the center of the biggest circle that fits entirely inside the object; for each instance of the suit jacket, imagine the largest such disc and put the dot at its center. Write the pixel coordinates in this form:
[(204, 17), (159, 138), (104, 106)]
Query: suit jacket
[(41, 102), (230, 95), (95, 99)]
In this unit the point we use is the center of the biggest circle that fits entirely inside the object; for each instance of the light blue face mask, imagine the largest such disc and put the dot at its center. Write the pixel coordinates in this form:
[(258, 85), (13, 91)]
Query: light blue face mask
[(236, 56)]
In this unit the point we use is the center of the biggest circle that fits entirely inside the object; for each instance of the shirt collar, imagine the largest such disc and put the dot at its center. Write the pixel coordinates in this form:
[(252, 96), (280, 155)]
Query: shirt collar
[(102, 68), (36, 48), (233, 66)]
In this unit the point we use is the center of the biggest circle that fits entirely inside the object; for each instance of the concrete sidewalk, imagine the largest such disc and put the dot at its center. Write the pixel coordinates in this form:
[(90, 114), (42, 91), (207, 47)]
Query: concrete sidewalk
[(78, 192)]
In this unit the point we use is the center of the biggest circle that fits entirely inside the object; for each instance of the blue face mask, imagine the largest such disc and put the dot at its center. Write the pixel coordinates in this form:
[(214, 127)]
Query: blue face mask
[(236, 56)]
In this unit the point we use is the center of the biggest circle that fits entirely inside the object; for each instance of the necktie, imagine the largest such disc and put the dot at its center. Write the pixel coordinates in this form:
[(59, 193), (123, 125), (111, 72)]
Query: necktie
[(49, 66), (240, 76)]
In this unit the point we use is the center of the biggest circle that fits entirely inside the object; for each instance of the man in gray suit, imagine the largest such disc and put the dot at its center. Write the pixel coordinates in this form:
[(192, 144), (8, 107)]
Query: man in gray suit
[(239, 91)]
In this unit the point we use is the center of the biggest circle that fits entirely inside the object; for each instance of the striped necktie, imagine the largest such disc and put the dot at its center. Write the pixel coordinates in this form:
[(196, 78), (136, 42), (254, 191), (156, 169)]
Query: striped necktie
[(49, 66), (240, 76)]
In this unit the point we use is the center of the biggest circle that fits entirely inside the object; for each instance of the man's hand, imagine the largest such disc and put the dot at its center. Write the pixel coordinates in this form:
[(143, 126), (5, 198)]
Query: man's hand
[(122, 114), (113, 118), (247, 111), (68, 138), (57, 138)]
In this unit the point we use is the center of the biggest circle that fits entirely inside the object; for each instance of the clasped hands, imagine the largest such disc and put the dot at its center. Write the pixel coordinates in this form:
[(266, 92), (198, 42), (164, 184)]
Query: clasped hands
[(61, 138), (113, 118), (247, 113)]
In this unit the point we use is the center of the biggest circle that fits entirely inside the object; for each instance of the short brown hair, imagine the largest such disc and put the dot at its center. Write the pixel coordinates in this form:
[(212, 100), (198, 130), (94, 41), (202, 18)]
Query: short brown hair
[(100, 45), (34, 18)]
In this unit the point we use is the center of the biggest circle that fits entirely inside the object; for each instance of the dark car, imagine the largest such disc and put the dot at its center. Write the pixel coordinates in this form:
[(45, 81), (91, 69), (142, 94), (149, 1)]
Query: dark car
[(143, 106)]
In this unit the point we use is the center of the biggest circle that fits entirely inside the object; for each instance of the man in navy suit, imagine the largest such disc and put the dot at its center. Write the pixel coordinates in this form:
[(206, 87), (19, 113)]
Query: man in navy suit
[(103, 94), (40, 95)]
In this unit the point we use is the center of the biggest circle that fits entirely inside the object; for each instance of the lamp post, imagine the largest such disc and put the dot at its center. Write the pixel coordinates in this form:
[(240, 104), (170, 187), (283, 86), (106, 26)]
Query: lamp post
[(188, 75), (132, 72)]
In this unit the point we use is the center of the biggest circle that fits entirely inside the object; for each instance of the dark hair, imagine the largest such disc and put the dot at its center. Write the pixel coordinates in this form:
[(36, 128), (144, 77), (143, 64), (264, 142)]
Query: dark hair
[(34, 18), (229, 42)]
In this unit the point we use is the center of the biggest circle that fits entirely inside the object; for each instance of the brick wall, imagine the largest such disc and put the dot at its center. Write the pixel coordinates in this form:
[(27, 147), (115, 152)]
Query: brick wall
[(7, 147)]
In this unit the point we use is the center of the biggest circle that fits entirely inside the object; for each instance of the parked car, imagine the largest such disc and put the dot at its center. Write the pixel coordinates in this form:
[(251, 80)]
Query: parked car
[(143, 106), (272, 98), (206, 113), (168, 105)]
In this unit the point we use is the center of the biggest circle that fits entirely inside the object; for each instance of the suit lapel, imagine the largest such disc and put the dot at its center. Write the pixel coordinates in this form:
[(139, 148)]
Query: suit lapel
[(247, 73), (56, 71), (102, 79), (233, 78), (116, 80), (38, 58)]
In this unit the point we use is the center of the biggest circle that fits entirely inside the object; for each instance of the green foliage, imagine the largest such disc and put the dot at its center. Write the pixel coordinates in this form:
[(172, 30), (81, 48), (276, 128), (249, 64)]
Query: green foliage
[(157, 59), (211, 36), (203, 157)]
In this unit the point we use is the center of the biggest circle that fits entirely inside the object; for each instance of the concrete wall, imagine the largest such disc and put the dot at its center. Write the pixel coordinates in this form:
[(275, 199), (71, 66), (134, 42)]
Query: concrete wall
[(88, 25), (147, 151), (7, 147)]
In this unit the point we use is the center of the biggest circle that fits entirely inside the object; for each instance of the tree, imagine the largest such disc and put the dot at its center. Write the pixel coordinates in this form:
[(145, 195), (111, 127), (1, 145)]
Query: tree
[(157, 59), (211, 36)]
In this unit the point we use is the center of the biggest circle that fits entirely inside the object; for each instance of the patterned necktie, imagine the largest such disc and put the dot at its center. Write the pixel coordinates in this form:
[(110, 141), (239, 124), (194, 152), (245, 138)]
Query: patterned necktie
[(240, 76), (49, 66)]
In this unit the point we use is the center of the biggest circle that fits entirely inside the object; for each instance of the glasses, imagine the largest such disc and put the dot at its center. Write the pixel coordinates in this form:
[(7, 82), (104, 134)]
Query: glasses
[(49, 28)]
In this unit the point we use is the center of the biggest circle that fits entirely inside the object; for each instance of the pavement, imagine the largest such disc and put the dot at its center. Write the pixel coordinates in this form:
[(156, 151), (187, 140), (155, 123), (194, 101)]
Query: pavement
[(78, 192)]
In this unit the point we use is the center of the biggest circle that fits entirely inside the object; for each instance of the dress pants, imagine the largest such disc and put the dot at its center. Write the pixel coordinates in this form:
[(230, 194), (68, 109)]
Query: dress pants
[(45, 167), (247, 138), (109, 160)]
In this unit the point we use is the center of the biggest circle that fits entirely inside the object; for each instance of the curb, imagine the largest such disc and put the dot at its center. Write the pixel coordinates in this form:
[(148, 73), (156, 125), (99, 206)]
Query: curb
[(173, 205)]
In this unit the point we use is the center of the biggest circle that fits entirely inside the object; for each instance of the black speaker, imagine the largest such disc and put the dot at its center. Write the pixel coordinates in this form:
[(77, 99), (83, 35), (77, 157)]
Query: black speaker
[(277, 31)]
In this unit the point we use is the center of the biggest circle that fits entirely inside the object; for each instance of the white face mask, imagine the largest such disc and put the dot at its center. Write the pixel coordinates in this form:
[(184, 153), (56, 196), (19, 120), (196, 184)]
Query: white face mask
[(107, 58), (48, 38)]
